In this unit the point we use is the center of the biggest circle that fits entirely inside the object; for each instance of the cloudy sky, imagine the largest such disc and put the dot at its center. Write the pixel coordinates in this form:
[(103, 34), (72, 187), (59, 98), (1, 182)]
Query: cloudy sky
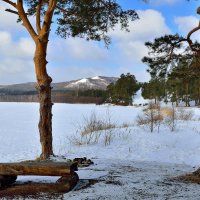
[(76, 58)]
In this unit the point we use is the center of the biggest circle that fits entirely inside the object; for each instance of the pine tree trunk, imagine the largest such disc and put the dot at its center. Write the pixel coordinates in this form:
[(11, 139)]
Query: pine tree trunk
[(41, 38), (199, 93), (187, 94), (45, 123), (44, 89)]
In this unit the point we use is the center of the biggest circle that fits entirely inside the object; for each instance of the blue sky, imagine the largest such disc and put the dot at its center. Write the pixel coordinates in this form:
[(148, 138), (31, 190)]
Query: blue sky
[(75, 58)]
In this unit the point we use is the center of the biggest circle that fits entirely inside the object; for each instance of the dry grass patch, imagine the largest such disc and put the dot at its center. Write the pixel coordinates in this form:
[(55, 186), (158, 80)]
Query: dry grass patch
[(92, 128), (166, 112), (189, 178), (193, 177)]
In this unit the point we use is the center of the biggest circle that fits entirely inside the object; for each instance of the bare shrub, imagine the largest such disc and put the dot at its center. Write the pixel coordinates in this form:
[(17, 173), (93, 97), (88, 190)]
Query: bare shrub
[(108, 137), (76, 139), (125, 125), (91, 124), (124, 133), (108, 132), (184, 114), (171, 119), (151, 116), (142, 120), (91, 129), (154, 115), (177, 114)]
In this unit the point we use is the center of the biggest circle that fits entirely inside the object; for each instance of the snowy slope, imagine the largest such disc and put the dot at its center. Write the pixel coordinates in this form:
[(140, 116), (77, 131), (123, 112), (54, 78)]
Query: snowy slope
[(138, 99), (97, 82), (21, 139), (135, 165)]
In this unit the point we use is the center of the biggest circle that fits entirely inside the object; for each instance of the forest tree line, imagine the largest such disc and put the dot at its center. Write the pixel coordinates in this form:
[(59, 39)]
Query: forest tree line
[(180, 85), (121, 93), (174, 70)]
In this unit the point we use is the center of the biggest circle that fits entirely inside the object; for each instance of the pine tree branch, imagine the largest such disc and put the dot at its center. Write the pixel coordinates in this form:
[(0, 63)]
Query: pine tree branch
[(10, 2), (189, 37), (174, 46), (51, 3), (65, 11), (45, 29), (53, 6), (12, 11), (38, 16), (59, 8), (25, 19)]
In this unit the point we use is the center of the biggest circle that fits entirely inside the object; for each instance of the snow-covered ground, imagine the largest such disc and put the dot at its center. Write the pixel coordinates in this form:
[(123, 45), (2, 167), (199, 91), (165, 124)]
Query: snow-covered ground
[(137, 161), (20, 138)]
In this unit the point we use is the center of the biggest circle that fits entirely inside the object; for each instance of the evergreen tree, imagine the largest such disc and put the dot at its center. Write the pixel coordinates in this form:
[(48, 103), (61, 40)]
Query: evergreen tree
[(182, 74), (154, 89), (123, 90), (176, 63), (166, 53)]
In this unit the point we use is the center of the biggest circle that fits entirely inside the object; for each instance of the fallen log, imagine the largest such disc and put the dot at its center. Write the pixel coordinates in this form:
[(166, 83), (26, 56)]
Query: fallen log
[(63, 185), (10, 171), (43, 168)]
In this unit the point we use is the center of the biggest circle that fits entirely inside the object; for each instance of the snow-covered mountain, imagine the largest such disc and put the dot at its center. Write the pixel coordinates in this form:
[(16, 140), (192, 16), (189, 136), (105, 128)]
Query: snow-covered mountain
[(97, 82)]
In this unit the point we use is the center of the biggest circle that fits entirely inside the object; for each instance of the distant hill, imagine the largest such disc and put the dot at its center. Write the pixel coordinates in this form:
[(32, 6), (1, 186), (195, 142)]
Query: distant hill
[(98, 82), (62, 92)]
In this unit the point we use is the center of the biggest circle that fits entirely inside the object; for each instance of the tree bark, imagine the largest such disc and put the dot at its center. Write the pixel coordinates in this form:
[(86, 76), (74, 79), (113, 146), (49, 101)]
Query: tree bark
[(44, 89), (43, 79), (41, 168)]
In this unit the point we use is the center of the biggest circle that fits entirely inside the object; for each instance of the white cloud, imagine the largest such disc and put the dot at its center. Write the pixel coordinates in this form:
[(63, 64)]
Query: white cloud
[(8, 20), (186, 24), (23, 48), (27, 47), (83, 50), (7, 66), (5, 38), (76, 49), (133, 50), (77, 58), (150, 25), (131, 45), (16, 71), (15, 59)]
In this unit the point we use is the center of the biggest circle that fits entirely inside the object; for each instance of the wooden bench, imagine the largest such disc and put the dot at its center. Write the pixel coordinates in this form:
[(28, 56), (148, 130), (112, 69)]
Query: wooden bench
[(10, 171)]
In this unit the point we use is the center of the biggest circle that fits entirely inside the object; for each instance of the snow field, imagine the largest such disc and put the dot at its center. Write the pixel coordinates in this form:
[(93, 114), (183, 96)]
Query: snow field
[(20, 139), (137, 164)]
